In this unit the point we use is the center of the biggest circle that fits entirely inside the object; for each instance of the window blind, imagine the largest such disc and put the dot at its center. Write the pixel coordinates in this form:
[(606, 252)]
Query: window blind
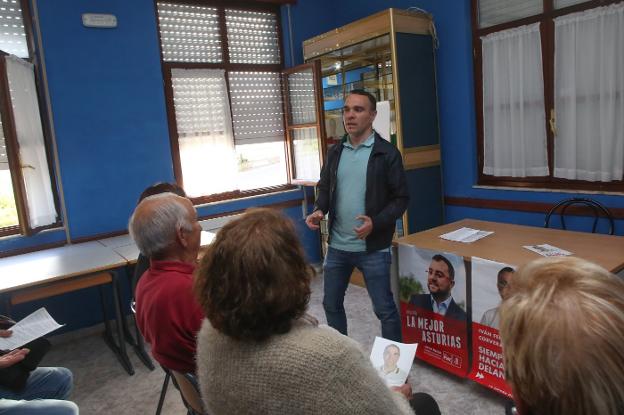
[(204, 130), (301, 97), (189, 33), (12, 34), (559, 4), (493, 12), (4, 159), (252, 37), (257, 112)]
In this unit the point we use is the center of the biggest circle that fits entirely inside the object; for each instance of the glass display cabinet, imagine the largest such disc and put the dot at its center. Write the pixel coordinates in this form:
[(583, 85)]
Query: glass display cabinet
[(390, 54)]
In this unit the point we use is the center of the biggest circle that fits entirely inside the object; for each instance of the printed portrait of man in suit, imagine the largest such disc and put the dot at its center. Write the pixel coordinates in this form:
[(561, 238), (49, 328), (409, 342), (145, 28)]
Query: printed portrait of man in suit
[(440, 282)]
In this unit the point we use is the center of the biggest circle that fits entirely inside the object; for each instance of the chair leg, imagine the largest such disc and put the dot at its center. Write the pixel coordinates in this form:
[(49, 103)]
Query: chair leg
[(163, 392), (140, 347)]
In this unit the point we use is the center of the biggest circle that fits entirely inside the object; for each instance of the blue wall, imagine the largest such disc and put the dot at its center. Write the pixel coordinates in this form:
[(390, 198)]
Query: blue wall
[(109, 113), (110, 121), (108, 104), (456, 103)]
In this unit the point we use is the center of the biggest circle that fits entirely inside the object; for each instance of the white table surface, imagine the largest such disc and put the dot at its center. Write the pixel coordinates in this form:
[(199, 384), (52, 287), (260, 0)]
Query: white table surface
[(21, 271), (49, 265), (125, 246), (117, 241)]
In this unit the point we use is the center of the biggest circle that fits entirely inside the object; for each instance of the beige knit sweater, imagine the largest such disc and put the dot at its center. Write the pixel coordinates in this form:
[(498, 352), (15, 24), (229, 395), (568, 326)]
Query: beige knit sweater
[(310, 370)]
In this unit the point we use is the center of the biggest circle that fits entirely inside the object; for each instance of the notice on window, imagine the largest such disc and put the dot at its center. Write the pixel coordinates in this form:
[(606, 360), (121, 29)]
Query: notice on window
[(547, 250), (381, 124), (465, 235)]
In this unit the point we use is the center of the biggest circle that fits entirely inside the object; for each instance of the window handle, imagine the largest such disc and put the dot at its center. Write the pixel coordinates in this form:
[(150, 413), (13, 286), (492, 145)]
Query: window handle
[(28, 166), (552, 121)]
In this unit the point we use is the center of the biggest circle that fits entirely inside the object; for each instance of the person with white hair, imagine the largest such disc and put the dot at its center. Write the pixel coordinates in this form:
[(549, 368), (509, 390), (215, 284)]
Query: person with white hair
[(166, 230)]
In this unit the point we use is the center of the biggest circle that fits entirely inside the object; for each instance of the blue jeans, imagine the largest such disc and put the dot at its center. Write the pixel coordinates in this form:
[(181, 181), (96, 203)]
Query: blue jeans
[(375, 267), (44, 393)]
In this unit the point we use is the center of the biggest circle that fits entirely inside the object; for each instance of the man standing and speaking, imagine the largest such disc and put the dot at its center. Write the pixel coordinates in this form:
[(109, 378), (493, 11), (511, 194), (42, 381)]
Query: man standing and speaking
[(364, 190)]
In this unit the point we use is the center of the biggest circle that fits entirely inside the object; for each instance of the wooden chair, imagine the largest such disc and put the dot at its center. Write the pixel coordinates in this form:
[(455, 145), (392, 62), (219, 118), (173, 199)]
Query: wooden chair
[(598, 210)]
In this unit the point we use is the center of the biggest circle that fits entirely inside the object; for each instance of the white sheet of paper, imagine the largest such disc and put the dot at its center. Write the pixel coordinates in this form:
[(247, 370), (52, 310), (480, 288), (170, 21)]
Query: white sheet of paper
[(207, 237), (465, 235), (547, 250), (381, 124), (29, 328), (398, 376)]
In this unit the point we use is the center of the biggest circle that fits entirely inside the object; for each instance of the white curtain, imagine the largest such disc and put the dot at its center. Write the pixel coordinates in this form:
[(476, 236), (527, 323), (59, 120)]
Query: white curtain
[(589, 89), (32, 154), (513, 103), (205, 137)]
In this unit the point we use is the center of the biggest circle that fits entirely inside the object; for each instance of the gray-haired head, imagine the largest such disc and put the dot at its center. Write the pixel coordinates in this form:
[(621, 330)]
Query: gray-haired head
[(156, 221)]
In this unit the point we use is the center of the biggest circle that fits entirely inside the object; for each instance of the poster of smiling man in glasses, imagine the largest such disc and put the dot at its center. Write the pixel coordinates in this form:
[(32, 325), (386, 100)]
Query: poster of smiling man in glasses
[(432, 288), (490, 286)]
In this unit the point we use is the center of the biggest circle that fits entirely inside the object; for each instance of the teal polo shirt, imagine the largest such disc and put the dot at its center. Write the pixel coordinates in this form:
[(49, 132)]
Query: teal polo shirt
[(350, 195)]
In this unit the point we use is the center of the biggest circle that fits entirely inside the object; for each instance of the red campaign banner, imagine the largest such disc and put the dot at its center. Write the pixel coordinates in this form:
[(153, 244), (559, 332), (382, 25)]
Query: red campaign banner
[(487, 359), (442, 342)]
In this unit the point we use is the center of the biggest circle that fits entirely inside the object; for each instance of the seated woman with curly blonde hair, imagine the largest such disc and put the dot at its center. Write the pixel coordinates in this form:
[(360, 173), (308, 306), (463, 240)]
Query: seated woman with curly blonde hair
[(258, 352)]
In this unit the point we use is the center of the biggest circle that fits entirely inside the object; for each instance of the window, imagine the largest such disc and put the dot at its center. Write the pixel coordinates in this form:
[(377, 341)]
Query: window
[(223, 81), (27, 199), (550, 93)]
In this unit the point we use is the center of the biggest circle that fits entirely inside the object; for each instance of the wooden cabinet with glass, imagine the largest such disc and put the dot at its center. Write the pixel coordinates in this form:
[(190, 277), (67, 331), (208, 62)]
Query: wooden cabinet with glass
[(390, 54)]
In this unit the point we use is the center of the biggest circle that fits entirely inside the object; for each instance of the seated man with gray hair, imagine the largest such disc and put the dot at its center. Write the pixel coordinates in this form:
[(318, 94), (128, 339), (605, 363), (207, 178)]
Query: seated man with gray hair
[(166, 230)]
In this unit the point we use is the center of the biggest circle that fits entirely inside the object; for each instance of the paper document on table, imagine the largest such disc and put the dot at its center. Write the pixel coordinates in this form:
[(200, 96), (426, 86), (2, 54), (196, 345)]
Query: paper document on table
[(465, 235), (28, 329), (548, 250)]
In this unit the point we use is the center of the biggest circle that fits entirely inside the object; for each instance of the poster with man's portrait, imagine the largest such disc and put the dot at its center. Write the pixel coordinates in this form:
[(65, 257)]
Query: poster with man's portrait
[(432, 290), (490, 286), (392, 360)]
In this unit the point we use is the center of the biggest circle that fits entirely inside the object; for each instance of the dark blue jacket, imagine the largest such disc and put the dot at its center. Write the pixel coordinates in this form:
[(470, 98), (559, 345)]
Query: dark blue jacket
[(386, 190), (424, 301)]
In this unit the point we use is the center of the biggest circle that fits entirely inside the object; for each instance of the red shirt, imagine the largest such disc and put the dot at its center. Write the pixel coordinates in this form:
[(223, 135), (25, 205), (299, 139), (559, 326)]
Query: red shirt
[(168, 315)]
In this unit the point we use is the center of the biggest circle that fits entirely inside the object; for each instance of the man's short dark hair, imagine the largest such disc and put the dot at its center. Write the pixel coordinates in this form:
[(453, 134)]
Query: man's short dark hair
[(371, 97), (162, 187), (505, 271), (438, 258)]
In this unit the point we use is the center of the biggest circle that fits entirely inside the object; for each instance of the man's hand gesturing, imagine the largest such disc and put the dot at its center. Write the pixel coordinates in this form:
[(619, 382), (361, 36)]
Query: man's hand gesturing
[(314, 219)]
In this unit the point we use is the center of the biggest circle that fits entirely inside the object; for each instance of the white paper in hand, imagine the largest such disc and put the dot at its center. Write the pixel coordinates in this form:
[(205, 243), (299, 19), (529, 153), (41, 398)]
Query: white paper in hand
[(29, 328), (392, 360)]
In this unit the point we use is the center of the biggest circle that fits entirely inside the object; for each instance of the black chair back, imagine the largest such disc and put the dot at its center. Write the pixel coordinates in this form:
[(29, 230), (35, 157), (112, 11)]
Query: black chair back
[(598, 209), (187, 384)]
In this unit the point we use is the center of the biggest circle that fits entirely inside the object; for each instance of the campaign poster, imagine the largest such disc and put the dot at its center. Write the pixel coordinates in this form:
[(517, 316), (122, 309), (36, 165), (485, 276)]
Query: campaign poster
[(490, 285), (432, 290)]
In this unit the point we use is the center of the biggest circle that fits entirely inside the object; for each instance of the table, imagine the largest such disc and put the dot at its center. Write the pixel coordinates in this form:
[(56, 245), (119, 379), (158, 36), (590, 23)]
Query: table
[(61, 270), (124, 246), (481, 342), (506, 243)]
